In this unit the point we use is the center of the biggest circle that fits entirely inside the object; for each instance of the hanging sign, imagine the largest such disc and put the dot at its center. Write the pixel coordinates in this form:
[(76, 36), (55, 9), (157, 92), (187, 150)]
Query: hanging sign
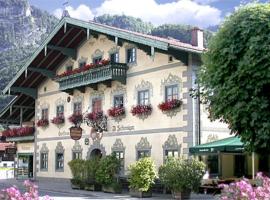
[(75, 132)]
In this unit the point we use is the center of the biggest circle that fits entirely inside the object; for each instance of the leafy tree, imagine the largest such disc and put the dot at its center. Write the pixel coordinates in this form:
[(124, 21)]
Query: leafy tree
[(235, 77)]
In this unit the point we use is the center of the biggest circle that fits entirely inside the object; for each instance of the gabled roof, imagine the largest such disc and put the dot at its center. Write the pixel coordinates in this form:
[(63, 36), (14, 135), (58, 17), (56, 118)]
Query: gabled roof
[(61, 44)]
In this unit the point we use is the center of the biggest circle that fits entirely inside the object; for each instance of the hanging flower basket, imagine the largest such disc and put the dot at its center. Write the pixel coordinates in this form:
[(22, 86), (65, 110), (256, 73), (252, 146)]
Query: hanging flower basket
[(141, 110), (84, 68), (170, 105), (116, 112), (18, 132), (58, 120), (76, 119), (96, 120), (42, 123)]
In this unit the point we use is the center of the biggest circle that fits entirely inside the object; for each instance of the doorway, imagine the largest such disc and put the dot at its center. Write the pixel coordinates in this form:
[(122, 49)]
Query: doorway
[(25, 166)]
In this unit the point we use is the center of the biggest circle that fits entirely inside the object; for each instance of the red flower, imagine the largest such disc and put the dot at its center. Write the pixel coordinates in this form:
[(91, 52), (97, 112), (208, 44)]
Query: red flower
[(170, 104), (58, 120), (17, 132), (94, 116), (141, 110), (42, 122), (76, 118), (116, 111)]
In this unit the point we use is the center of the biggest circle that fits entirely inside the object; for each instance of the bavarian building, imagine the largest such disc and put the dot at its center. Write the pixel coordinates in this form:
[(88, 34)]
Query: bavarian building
[(139, 84)]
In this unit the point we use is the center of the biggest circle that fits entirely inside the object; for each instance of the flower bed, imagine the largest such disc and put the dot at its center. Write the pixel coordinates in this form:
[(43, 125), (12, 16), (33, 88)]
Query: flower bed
[(17, 132), (75, 118), (58, 120), (84, 68), (170, 105), (42, 123), (140, 110), (116, 111)]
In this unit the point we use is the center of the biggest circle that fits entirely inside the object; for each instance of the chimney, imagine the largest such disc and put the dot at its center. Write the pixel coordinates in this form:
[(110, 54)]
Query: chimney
[(197, 37)]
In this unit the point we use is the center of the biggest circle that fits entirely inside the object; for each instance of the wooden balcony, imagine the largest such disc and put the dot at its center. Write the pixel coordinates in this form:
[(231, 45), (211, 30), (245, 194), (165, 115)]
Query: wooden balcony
[(90, 78)]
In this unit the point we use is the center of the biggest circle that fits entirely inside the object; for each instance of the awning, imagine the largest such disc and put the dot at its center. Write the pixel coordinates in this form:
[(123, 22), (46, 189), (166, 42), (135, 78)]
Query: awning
[(231, 144)]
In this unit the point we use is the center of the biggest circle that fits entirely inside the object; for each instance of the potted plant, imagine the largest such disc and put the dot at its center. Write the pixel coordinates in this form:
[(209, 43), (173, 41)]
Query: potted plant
[(141, 178), (182, 176), (43, 123), (107, 172), (77, 168), (91, 167)]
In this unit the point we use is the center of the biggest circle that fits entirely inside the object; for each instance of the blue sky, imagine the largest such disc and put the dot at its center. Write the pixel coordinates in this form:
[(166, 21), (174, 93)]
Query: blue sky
[(201, 13)]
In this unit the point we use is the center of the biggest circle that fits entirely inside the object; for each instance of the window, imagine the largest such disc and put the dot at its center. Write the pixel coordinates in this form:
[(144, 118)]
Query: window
[(43, 161), (76, 155), (212, 164), (59, 161), (131, 55), (69, 68), (77, 109), (82, 64), (239, 165), (171, 92), (143, 97), (171, 153), (118, 101), (97, 105), (114, 57), (120, 156), (143, 154), (60, 111), (97, 59), (44, 114)]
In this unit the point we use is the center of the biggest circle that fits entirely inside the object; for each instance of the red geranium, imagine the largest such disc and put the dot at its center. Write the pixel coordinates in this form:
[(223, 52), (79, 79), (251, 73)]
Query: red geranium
[(76, 118), (141, 110), (116, 111), (94, 116), (17, 132), (42, 122), (170, 104), (58, 120)]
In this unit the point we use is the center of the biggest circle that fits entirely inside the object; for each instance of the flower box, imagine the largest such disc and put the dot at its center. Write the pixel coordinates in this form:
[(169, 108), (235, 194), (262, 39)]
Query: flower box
[(84, 68), (75, 119), (140, 194), (94, 116), (42, 123), (116, 112), (58, 120), (170, 105), (18, 132), (140, 110)]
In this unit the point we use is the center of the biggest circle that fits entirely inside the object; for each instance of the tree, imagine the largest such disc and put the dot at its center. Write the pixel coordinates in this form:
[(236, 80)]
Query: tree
[(235, 77)]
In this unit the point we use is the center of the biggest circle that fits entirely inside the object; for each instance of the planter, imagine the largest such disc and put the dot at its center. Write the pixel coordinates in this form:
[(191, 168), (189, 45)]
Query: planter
[(111, 189), (93, 187), (140, 194), (181, 195), (75, 186)]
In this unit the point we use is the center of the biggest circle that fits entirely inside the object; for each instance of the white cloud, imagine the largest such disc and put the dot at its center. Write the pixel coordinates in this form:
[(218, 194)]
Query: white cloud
[(81, 12), (180, 12), (205, 1)]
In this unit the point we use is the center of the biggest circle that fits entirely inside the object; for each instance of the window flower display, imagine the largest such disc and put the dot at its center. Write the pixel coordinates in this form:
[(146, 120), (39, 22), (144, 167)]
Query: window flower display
[(140, 110), (170, 105)]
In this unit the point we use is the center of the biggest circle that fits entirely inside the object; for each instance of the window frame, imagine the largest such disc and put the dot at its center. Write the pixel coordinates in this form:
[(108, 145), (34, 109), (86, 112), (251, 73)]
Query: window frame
[(99, 58), (45, 115), (69, 68), (116, 57), (93, 102), (122, 160), (82, 64), (75, 107), (144, 151), (60, 114), (42, 160), (114, 101), (133, 54), (74, 155), (57, 168), (172, 95), (143, 100)]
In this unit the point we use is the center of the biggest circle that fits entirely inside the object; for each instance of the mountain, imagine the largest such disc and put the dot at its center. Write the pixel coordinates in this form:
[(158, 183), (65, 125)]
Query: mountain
[(22, 29)]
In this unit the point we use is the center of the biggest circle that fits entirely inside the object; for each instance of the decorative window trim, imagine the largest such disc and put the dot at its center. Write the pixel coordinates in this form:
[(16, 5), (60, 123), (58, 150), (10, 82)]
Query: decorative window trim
[(44, 149), (114, 49), (144, 85), (77, 99), (130, 46), (118, 90), (171, 80), (96, 145), (59, 102), (77, 148), (118, 146), (143, 145), (96, 95), (59, 149), (171, 144), (82, 59), (68, 64), (97, 53)]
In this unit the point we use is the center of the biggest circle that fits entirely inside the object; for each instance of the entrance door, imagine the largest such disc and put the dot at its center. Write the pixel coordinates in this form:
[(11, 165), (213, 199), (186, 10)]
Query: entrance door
[(25, 166), (239, 165), (96, 153)]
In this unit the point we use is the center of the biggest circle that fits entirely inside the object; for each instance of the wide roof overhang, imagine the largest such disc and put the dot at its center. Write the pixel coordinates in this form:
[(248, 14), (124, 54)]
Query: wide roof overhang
[(62, 43), (227, 145)]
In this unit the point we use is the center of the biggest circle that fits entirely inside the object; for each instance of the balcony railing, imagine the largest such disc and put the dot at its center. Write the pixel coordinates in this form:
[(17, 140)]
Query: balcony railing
[(110, 72)]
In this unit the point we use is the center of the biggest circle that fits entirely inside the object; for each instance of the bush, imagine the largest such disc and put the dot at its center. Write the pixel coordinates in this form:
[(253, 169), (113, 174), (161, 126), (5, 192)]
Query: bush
[(91, 167), (181, 175), (142, 174), (109, 167), (77, 168)]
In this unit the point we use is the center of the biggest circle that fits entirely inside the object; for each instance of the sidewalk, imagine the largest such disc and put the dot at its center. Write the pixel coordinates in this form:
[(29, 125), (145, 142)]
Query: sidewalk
[(62, 190)]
